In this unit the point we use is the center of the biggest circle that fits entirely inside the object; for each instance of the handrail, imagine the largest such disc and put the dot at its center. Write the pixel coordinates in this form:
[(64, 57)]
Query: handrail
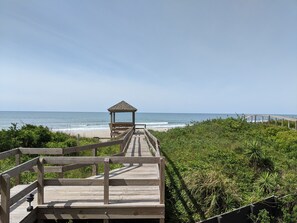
[(126, 140), (153, 142), (123, 141), (270, 118), (8, 153), (41, 151), (97, 160), (140, 124), (91, 146), (6, 200), (23, 193), (21, 168), (61, 151), (123, 134)]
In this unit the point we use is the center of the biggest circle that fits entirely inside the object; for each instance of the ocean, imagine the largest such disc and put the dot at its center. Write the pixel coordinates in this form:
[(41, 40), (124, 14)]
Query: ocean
[(72, 121), (67, 121)]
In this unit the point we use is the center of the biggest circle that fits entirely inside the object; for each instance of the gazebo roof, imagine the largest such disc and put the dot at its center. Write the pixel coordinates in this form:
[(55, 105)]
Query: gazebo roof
[(122, 107)]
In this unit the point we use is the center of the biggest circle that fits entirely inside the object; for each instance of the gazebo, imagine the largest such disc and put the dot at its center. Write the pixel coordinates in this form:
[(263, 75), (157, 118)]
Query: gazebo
[(117, 127)]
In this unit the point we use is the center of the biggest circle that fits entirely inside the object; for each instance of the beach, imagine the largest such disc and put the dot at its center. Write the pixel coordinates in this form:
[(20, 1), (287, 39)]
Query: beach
[(101, 133)]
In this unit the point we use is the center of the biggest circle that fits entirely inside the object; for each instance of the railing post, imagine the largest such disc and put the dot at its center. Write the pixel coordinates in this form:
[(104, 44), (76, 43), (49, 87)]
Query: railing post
[(95, 166), (61, 175), (288, 124), (162, 180), (17, 162), (40, 181), (122, 145), (219, 217), (283, 122), (106, 180), (157, 148), (296, 125), (5, 198)]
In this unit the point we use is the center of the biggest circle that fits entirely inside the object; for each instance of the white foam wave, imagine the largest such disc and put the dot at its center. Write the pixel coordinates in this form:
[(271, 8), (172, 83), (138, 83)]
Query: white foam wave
[(152, 123), (87, 128), (149, 125)]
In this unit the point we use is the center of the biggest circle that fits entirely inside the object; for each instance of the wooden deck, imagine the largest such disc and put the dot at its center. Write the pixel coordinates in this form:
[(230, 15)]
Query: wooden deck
[(134, 191)]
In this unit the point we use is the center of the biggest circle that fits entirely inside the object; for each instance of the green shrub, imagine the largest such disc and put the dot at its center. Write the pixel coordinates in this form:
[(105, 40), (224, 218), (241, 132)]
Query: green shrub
[(267, 183), (257, 158), (32, 136), (252, 160), (215, 192), (287, 140)]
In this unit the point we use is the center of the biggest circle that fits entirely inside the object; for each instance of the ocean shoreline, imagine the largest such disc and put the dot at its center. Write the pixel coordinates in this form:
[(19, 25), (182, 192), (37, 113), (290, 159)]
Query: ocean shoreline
[(89, 121), (101, 133)]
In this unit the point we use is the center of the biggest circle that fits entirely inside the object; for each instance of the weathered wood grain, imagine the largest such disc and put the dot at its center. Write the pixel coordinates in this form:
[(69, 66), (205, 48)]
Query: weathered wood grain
[(6, 154), (21, 168), (40, 181), (5, 196), (15, 198)]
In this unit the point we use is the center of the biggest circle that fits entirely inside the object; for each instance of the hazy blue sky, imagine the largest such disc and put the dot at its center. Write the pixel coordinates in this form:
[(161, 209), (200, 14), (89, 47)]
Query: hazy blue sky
[(230, 56)]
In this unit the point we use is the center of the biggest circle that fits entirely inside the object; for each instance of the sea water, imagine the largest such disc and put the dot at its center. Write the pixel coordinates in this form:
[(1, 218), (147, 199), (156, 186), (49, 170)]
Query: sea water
[(65, 121)]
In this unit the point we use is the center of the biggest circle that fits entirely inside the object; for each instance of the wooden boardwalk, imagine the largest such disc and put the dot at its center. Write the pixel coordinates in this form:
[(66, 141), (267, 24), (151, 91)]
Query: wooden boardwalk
[(273, 119), (135, 191)]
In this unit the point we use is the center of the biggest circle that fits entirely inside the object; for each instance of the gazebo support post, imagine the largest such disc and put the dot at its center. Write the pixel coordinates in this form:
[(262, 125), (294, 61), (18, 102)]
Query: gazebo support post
[(133, 120)]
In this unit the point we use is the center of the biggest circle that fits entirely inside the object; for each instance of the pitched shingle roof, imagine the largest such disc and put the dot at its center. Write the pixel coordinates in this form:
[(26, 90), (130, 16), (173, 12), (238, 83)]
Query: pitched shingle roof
[(122, 107)]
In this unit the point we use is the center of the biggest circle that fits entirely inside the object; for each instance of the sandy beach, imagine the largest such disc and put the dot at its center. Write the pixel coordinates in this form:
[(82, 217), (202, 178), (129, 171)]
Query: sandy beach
[(100, 133)]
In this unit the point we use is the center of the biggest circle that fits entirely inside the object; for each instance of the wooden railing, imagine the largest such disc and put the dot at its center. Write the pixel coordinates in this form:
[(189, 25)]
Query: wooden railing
[(119, 127), (41, 166), (123, 140), (153, 142), (276, 119), (5, 185), (40, 162), (140, 126), (105, 182)]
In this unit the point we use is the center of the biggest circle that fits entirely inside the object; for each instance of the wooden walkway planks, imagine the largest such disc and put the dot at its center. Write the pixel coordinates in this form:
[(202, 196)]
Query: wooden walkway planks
[(77, 196), (88, 201), (138, 146)]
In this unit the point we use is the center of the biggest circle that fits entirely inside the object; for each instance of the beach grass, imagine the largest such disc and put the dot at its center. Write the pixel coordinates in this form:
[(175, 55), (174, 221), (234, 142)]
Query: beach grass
[(218, 165)]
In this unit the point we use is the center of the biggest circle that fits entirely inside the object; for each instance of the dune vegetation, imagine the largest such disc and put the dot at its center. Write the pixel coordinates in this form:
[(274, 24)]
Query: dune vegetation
[(211, 167), (218, 165)]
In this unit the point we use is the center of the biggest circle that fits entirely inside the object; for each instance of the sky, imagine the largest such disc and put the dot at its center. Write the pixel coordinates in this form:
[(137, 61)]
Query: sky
[(193, 56)]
